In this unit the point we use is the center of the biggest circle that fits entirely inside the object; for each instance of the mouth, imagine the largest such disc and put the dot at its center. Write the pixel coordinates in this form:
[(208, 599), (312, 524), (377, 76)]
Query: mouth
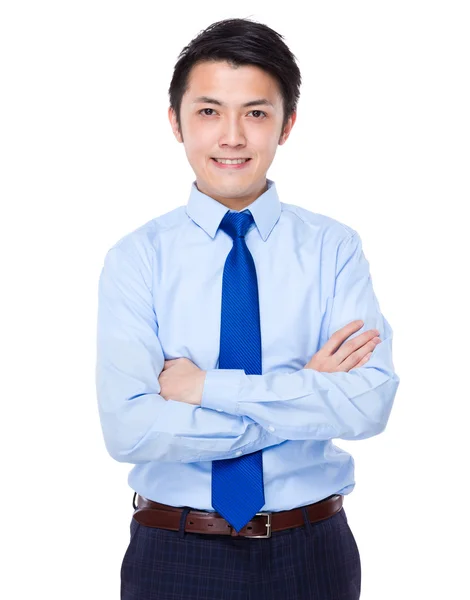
[(236, 166)]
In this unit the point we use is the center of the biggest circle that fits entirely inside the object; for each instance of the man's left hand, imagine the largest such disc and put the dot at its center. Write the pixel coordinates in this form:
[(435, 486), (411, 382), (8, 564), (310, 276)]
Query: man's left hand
[(182, 380)]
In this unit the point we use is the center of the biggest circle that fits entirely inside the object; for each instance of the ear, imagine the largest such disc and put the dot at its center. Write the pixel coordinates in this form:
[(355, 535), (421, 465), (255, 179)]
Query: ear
[(174, 125), (288, 128)]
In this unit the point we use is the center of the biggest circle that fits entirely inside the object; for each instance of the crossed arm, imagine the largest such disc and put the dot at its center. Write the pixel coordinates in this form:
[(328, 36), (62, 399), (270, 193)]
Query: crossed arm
[(223, 411)]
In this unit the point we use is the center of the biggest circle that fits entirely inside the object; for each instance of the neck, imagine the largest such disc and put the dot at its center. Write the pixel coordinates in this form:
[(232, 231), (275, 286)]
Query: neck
[(237, 204)]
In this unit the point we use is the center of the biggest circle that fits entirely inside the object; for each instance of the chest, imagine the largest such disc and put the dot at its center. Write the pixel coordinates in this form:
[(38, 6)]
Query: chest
[(295, 287)]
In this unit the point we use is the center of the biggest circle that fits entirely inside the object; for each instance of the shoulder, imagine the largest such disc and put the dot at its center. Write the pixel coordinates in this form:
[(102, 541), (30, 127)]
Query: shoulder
[(330, 229), (147, 237), (138, 251)]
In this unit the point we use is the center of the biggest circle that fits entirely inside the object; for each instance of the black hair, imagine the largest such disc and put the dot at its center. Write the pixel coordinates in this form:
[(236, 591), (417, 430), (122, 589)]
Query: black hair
[(239, 42)]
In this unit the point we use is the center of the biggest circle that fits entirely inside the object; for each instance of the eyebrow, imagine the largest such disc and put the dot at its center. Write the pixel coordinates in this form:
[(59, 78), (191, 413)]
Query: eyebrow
[(207, 100)]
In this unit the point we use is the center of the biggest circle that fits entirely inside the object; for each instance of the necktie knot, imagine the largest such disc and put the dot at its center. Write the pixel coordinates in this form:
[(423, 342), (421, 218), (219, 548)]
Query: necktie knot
[(236, 224)]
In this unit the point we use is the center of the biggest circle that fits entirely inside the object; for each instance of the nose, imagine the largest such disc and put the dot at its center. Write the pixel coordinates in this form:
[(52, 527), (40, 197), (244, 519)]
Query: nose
[(233, 133)]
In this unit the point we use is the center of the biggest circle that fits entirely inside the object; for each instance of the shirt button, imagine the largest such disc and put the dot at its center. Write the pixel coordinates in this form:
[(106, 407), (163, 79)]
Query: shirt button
[(238, 453), (271, 428)]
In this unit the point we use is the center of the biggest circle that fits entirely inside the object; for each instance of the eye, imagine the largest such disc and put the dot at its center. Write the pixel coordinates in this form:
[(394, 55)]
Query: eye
[(252, 111), (260, 111), (204, 110)]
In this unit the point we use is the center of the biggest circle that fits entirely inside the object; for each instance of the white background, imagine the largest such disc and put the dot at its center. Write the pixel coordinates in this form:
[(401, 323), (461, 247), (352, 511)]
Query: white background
[(381, 143)]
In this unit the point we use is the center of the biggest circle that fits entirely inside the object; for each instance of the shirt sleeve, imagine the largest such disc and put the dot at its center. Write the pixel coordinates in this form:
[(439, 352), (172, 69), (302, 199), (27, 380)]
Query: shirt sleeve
[(309, 404), (138, 424)]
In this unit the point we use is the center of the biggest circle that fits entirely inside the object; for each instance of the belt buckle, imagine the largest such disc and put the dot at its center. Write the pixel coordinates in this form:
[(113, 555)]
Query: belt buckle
[(268, 525)]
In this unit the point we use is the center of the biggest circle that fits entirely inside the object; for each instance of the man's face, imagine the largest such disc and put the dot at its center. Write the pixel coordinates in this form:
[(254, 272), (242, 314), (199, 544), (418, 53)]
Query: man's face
[(231, 130)]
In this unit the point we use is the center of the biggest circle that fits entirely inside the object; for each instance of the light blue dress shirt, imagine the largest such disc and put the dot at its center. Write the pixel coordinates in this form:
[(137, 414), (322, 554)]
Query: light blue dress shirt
[(160, 298)]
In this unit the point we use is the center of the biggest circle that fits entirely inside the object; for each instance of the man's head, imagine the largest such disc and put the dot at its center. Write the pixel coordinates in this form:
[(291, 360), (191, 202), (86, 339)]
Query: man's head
[(230, 64)]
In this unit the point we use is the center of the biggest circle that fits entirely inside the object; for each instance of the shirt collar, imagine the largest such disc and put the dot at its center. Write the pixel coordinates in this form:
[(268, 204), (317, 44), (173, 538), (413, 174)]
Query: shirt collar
[(208, 213)]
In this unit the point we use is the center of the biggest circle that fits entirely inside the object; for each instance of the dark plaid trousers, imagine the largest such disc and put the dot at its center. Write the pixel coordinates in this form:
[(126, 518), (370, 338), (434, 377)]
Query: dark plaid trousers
[(317, 561)]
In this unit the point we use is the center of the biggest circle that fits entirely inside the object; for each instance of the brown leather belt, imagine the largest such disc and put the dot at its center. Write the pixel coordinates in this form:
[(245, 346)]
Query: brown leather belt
[(163, 516)]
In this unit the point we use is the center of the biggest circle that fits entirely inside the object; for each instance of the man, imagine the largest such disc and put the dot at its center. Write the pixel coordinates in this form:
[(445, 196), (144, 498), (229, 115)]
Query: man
[(238, 335)]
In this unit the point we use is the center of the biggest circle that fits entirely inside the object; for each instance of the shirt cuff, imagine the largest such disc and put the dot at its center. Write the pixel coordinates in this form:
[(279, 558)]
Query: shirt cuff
[(221, 390)]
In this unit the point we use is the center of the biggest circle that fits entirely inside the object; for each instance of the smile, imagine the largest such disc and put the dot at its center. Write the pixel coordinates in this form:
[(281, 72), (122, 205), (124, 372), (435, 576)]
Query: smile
[(231, 165)]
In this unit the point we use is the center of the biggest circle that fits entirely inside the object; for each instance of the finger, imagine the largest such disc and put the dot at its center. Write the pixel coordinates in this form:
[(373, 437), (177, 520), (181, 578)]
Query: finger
[(339, 336), (363, 361), (362, 342), (354, 358)]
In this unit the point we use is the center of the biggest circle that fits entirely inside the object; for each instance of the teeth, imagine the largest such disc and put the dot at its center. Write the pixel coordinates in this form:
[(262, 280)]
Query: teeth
[(232, 162)]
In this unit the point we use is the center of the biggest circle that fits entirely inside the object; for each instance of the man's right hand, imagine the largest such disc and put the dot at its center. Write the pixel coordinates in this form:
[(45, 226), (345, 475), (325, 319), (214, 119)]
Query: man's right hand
[(354, 353)]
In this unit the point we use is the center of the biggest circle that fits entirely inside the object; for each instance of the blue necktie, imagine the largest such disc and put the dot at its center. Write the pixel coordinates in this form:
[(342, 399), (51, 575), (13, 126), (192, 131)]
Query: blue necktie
[(237, 483)]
